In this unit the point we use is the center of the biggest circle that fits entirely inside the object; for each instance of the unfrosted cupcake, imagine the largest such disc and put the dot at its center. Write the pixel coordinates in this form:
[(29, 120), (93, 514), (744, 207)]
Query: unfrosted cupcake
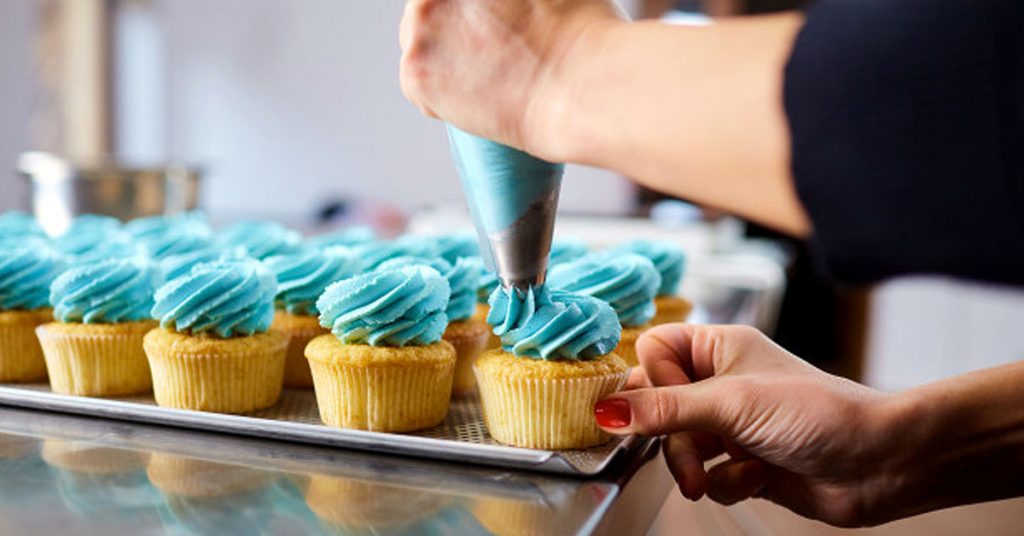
[(25, 277), (384, 367), (261, 239), (627, 282), (213, 351), (467, 334), (670, 261), (556, 362), (102, 313), (301, 279)]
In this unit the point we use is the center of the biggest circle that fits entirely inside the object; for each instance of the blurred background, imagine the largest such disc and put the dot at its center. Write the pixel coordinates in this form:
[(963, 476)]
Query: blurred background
[(292, 111)]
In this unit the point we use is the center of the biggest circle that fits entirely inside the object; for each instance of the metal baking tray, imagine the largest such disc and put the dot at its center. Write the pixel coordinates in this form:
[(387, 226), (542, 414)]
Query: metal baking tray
[(462, 437)]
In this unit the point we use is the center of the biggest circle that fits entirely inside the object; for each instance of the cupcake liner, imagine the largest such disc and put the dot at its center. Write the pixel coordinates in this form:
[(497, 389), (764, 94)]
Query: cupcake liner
[(545, 413), (223, 382), (671, 309), (300, 329), (470, 339), (95, 364), (408, 389), (627, 344), (21, 357)]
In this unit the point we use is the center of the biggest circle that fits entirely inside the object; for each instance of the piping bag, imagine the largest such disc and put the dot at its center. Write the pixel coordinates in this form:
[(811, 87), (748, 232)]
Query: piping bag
[(512, 197)]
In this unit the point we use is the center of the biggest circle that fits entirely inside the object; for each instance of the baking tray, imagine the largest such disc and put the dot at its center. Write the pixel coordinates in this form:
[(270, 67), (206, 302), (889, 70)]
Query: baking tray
[(462, 437)]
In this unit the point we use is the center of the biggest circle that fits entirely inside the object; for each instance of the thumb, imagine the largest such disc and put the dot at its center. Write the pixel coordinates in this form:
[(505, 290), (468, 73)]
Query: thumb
[(656, 411)]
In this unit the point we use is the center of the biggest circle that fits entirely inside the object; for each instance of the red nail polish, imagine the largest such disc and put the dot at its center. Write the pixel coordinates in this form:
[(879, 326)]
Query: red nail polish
[(613, 413)]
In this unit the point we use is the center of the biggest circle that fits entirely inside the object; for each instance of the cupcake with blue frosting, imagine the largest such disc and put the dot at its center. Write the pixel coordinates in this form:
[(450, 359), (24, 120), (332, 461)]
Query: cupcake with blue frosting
[(301, 279), (214, 350), (92, 237), (670, 261), (556, 361), (628, 282), (165, 236), (101, 312), (469, 335), (384, 367), (25, 277), (261, 239), (347, 237)]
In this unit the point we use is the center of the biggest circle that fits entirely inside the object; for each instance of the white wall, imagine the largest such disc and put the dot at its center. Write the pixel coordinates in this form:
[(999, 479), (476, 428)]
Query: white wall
[(15, 97), (288, 103)]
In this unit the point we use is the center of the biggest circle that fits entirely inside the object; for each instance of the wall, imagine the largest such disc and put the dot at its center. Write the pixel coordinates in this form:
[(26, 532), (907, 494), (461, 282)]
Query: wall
[(15, 97)]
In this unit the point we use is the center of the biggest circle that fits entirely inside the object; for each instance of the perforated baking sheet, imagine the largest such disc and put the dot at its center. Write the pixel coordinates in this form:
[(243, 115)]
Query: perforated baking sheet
[(461, 437)]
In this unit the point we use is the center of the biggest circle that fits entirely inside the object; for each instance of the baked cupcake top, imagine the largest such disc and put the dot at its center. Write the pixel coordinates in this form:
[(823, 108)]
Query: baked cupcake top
[(26, 274), (400, 307), (227, 298), (545, 324), (261, 239), (462, 279), (628, 282), (452, 247), (349, 236), (376, 253), (566, 250), (667, 257), (302, 277), (107, 292), (164, 236)]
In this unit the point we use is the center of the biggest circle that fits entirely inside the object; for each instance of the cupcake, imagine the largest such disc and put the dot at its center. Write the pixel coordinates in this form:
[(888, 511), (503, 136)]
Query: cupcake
[(261, 239), (213, 350), (102, 313), (301, 279), (487, 282), (384, 367), (349, 236), (18, 228), (556, 362), (374, 254), (164, 236), (25, 277), (468, 335), (566, 250), (628, 282), (452, 247), (179, 264), (94, 237), (670, 261)]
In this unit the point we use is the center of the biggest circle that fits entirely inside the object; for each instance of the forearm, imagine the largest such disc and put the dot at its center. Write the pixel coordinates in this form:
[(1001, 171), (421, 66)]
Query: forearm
[(963, 441), (692, 111)]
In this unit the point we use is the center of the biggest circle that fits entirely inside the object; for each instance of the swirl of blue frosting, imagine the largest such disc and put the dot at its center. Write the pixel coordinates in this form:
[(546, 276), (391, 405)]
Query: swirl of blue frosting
[(545, 324), (227, 298), (376, 253), (164, 236), (462, 279), (119, 290), (566, 250), (628, 282), (17, 225), (667, 257), (179, 264), (26, 274), (348, 236), (92, 237), (400, 307), (452, 247), (486, 280), (261, 239), (302, 277)]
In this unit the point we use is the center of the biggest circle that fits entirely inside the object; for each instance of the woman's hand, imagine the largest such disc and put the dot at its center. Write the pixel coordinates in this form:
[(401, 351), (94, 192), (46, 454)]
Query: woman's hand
[(795, 435), (493, 67)]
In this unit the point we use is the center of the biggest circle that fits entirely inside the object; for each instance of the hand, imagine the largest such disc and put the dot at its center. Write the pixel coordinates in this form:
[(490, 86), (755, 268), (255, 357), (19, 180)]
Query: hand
[(795, 435), (493, 67)]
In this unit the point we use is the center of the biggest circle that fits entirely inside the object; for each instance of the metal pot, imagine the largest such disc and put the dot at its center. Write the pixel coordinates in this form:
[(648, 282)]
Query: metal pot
[(61, 189)]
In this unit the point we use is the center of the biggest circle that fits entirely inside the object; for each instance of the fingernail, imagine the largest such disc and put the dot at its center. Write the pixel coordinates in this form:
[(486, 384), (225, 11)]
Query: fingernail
[(613, 413)]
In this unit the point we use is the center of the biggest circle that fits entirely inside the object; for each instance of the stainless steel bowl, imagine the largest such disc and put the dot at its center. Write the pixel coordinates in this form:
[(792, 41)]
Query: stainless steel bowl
[(62, 189)]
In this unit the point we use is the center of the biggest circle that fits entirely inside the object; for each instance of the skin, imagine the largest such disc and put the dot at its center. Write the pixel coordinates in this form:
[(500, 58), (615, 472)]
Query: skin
[(697, 112)]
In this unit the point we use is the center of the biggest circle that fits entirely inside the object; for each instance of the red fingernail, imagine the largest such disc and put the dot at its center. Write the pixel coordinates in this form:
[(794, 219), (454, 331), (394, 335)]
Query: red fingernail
[(613, 413)]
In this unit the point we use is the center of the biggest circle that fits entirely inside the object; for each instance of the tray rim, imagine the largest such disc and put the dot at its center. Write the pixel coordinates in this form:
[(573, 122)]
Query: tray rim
[(546, 461)]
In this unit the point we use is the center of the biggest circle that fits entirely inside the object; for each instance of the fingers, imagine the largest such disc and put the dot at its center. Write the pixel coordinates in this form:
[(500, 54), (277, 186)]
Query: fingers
[(664, 352), (662, 410), (735, 480), (637, 379), (685, 454), (682, 353)]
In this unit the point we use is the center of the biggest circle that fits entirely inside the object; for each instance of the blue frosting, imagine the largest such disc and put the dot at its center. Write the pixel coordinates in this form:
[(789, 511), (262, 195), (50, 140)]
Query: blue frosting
[(26, 274), (164, 236), (18, 225), (401, 307), (105, 292), (261, 239), (177, 265), (376, 253), (628, 282), (566, 250), (486, 280), (227, 298), (667, 257), (553, 324), (92, 237), (462, 280), (348, 236), (302, 277), (452, 247)]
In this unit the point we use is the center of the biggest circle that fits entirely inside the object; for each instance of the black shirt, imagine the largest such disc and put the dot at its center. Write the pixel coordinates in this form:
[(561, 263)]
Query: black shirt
[(907, 120)]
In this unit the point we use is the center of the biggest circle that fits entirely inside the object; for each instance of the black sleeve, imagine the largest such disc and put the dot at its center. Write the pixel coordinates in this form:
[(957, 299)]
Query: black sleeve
[(907, 121)]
